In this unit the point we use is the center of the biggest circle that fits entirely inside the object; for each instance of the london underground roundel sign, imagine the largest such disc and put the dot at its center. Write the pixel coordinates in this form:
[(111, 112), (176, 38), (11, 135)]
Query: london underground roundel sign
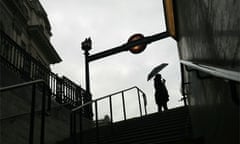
[(138, 48)]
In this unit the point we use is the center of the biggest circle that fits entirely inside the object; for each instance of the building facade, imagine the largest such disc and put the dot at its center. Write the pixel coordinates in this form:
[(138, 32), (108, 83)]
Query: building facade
[(26, 23), (39, 113)]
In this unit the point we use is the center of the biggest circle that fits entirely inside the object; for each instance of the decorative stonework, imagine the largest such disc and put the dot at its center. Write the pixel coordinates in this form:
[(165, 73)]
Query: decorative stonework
[(18, 19)]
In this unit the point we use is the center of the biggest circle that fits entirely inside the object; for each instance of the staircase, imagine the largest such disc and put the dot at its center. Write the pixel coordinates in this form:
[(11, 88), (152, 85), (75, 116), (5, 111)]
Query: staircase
[(170, 127)]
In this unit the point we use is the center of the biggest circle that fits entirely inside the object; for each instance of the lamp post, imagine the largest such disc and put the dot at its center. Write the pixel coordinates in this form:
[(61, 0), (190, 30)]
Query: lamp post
[(86, 47)]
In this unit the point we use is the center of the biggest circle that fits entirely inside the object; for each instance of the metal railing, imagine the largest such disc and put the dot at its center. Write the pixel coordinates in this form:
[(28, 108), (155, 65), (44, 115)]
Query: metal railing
[(79, 110), (33, 103), (214, 71), (27, 67), (229, 75)]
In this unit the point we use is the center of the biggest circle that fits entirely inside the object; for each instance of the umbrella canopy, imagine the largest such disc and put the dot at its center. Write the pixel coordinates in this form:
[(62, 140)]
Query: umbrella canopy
[(156, 70)]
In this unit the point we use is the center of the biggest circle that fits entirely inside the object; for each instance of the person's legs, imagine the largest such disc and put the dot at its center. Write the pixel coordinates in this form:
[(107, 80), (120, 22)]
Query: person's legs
[(159, 108), (165, 106)]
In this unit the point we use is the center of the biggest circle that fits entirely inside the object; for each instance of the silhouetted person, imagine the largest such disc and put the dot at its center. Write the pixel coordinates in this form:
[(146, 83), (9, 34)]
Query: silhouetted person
[(161, 93)]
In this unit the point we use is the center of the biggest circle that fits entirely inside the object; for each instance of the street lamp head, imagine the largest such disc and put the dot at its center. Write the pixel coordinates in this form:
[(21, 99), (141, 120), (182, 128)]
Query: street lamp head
[(138, 48), (87, 44)]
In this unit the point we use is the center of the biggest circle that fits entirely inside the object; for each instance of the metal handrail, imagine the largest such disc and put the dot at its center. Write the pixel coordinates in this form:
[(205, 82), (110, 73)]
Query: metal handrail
[(98, 99), (79, 108), (21, 85), (215, 71), (232, 76), (43, 111)]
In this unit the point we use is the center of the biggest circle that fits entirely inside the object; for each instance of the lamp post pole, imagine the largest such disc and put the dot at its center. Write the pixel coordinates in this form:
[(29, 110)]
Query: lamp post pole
[(86, 47), (86, 53)]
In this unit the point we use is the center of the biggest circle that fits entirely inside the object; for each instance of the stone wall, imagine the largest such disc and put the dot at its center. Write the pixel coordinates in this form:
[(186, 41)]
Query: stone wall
[(15, 106), (208, 33)]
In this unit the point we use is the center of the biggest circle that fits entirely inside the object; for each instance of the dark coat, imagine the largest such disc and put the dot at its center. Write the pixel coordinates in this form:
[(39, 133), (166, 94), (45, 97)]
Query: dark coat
[(161, 93)]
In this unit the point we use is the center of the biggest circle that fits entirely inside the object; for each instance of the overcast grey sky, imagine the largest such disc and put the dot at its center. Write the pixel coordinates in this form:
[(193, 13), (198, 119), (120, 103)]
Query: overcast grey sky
[(110, 23)]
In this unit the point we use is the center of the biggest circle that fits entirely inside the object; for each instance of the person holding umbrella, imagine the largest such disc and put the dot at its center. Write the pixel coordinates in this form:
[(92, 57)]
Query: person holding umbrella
[(161, 93)]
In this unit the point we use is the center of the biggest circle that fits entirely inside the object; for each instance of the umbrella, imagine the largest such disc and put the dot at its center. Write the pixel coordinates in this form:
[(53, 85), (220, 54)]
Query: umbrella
[(156, 70)]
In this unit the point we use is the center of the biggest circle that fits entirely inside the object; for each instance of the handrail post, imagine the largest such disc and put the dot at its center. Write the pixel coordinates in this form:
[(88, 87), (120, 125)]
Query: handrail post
[(183, 84), (145, 104), (144, 100), (124, 107), (97, 126), (139, 101), (111, 112), (43, 115), (80, 126), (31, 131)]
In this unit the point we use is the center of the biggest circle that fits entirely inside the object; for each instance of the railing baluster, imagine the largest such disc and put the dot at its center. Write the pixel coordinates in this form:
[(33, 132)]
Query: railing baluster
[(71, 95), (145, 103), (49, 93), (71, 91), (30, 72), (53, 85), (67, 93), (11, 55), (74, 91), (111, 112), (139, 101), (50, 81), (61, 91), (97, 126), (124, 107), (17, 59), (64, 91)]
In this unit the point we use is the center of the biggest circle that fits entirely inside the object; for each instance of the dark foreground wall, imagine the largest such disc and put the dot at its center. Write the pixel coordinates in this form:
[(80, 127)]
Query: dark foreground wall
[(15, 106), (209, 33)]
